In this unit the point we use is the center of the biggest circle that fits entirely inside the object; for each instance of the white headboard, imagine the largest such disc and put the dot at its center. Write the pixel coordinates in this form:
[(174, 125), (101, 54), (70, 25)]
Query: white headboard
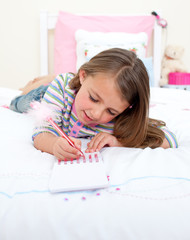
[(48, 22)]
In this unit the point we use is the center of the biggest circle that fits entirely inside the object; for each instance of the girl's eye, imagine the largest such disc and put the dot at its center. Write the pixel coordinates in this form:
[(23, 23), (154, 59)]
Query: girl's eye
[(111, 113), (93, 99)]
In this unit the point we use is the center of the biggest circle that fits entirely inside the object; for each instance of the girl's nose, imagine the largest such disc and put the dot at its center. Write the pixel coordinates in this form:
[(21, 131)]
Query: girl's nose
[(96, 113)]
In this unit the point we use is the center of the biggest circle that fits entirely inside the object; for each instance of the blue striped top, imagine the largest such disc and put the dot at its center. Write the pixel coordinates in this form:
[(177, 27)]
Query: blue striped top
[(62, 98)]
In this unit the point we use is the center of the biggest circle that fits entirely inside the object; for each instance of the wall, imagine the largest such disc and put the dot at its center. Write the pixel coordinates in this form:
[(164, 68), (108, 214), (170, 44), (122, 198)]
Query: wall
[(19, 28)]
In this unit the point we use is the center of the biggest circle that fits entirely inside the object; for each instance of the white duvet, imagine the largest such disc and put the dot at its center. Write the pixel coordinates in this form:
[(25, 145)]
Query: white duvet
[(148, 197)]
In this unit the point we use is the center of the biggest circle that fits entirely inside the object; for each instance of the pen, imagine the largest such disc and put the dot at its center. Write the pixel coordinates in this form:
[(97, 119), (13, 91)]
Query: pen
[(60, 131)]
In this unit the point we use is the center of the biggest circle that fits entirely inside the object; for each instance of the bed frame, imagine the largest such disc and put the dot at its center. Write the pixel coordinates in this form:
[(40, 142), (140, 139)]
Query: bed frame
[(48, 22)]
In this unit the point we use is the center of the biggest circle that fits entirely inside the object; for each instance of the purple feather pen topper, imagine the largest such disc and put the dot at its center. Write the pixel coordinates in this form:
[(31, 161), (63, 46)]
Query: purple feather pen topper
[(43, 113)]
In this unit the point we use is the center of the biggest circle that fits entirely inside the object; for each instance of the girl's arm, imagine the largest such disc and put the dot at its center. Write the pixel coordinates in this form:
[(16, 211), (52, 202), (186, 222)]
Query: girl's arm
[(102, 139), (57, 146), (170, 140)]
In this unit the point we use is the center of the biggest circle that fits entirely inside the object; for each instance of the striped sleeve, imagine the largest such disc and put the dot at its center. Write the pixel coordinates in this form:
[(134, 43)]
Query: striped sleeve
[(171, 137), (55, 96)]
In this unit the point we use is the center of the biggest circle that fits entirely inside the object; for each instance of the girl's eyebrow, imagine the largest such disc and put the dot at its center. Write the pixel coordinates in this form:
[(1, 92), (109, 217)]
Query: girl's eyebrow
[(98, 96), (113, 110)]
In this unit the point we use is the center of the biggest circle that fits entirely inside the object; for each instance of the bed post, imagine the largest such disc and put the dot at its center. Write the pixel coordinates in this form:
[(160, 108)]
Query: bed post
[(157, 53), (43, 42)]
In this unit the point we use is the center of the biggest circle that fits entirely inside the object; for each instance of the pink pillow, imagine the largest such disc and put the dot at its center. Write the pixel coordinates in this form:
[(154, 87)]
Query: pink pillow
[(67, 24)]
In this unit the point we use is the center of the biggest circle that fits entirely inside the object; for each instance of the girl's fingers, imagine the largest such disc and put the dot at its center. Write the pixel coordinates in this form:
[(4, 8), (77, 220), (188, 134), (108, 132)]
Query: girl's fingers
[(64, 150), (101, 140), (67, 156), (71, 152), (98, 142), (93, 145), (101, 144), (77, 142)]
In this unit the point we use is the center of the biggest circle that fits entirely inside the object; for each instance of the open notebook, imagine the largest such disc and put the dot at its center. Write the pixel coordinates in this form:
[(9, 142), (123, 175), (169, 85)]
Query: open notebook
[(80, 174)]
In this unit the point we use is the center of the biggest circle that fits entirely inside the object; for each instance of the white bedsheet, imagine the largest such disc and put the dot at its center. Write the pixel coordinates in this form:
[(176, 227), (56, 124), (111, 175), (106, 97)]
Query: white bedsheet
[(148, 197)]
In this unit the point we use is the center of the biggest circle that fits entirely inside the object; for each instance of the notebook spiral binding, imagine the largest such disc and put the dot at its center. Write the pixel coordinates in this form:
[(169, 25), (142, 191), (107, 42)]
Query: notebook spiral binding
[(89, 158)]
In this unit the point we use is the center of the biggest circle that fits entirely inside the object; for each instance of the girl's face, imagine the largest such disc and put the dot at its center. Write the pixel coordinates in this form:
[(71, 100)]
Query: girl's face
[(98, 100)]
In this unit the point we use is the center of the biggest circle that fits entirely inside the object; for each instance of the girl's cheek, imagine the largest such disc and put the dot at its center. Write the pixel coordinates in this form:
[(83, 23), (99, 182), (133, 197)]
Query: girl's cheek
[(106, 118), (83, 101)]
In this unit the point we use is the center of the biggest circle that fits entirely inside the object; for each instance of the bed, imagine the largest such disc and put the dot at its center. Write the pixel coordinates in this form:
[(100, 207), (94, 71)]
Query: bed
[(149, 192)]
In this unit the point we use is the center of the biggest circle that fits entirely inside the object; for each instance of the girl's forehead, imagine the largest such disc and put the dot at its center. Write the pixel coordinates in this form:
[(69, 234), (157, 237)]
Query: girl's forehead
[(102, 81), (105, 78)]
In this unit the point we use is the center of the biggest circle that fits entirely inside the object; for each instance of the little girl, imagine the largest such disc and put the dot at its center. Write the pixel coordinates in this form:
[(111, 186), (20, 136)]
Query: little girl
[(106, 101)]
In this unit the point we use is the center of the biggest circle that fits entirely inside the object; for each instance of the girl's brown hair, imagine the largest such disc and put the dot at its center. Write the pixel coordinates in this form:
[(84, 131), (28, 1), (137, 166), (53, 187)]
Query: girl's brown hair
[(133, 127)]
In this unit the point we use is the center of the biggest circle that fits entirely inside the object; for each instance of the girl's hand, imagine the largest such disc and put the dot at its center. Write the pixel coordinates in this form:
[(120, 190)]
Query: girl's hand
[(100, 140), (63, 150)]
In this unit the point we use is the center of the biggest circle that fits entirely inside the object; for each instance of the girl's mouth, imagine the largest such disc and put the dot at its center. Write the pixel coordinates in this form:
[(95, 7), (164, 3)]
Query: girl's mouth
[(86, 117)]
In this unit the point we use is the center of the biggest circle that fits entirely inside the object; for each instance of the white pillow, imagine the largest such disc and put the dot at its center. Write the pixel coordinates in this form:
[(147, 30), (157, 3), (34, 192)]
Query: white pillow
[(88, 44)]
